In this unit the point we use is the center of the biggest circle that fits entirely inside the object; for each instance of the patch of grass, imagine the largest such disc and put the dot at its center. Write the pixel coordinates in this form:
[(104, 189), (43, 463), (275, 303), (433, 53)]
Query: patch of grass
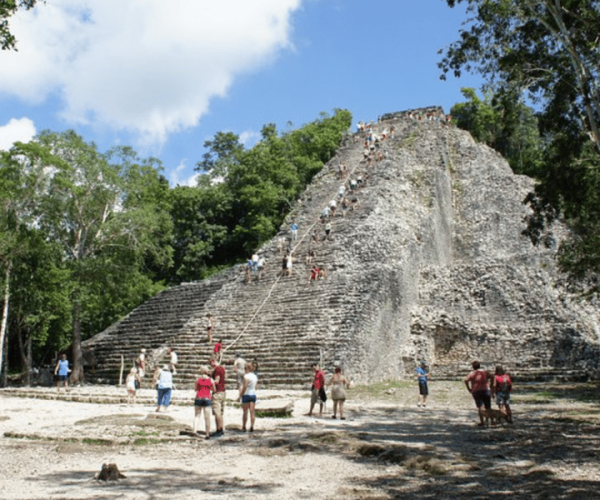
[(35, 437), (96, 441), (132, 419), (32, 437), (420, 179), (283, 413), (144, 441), (379, 389), (583, 392)]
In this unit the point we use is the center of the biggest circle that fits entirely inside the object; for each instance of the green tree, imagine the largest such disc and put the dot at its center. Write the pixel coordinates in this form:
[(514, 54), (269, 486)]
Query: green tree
[(244, 194), (542, 46), (7, 9), (547, 49), (98, 209), (200, 219), (40, 315), (504, 123), (23, 179)]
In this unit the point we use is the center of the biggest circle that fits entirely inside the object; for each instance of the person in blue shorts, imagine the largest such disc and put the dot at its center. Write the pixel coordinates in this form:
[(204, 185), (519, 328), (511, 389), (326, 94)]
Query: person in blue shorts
[(62, 372), (248, 396), (422, 376)]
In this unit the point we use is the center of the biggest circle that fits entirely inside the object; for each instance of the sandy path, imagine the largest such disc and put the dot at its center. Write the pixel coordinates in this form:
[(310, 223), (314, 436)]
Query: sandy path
[(387, 448)]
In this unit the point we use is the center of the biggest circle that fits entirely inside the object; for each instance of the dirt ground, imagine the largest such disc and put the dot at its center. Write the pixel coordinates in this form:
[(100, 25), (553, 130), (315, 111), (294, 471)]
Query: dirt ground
[(386, 448)]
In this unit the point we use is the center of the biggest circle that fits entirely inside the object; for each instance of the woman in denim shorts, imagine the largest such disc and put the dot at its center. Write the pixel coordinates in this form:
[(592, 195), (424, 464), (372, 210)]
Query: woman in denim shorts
[(248, 396), (204, 388)]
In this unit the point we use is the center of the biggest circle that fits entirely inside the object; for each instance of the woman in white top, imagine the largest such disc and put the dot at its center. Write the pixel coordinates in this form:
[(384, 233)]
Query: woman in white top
[(130, 384), (248, 396), (164, 388)]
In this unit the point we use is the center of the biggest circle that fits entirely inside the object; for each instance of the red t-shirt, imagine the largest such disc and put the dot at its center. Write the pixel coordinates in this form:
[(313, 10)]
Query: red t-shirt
[(219, 372), (217, 348), (203, 388), (319, 379), (479, 380)]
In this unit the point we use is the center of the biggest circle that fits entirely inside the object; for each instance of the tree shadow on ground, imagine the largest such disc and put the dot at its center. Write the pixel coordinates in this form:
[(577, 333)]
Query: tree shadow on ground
[(156, 483), (444, 454)]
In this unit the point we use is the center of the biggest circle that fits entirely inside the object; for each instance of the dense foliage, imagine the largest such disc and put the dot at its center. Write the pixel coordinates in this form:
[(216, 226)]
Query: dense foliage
[(244, 194), (548, 51), (7, 9), (86, 236), (504, 123)]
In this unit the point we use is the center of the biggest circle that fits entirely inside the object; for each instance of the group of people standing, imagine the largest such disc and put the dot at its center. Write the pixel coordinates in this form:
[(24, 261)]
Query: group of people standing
[(339, 383), (210, 394), (481, 384)]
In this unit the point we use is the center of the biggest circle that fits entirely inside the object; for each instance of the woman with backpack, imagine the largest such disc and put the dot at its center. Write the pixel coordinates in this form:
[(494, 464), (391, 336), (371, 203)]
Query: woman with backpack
[(502, 387)]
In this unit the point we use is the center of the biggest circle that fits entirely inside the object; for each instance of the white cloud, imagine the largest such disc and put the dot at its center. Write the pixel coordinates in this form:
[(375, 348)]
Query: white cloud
[(180, 176), (249, 138), (22, 129), (146, 66)]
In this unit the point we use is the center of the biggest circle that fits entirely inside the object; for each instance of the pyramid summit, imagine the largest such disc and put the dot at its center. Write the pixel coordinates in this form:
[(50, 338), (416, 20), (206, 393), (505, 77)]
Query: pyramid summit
[(424, 260)]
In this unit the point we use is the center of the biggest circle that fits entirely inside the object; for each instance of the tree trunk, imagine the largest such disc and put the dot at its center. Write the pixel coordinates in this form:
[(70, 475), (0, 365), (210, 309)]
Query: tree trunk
[(77, 374), (3, 337), (25, 352), (30, 360), (4, 361)]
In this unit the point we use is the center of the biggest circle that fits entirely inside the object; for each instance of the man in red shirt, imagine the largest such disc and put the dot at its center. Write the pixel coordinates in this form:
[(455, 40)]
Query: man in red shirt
[(478, 385), (218, 397), (318, 390)]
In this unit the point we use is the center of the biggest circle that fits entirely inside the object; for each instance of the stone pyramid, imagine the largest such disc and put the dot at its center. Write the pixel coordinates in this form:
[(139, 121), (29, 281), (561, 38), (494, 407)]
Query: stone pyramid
[(428, 263)]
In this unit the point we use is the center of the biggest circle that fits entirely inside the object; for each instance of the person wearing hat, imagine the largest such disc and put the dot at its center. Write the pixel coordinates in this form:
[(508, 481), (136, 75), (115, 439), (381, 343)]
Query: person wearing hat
[(422, 376)]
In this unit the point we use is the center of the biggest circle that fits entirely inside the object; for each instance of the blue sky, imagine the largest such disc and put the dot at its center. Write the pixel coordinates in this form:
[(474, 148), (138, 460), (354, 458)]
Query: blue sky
[(164, 77)]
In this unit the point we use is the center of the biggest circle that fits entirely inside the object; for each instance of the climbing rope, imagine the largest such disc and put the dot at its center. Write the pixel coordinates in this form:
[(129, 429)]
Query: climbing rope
[(307, 232)]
